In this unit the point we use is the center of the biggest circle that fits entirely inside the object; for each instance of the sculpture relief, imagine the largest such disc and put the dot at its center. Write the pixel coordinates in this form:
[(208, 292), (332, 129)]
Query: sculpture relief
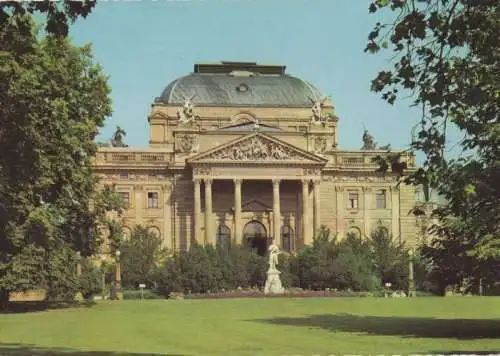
[(319, 144), (187, 143), (256, 149), (186, 114), (203, 171)]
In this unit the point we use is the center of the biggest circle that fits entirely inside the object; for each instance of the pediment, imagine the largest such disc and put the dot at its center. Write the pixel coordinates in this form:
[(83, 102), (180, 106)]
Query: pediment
[(259, 148), (255, 205)]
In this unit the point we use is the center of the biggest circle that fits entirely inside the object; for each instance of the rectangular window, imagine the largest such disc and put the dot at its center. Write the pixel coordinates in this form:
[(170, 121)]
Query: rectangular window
[(125, 197), (352, 202), (123, 175), (152, 200), (380, 199)]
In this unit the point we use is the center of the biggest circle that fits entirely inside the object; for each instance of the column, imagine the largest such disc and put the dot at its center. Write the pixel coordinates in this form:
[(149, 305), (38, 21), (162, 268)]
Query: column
[(209, 238), (167, 217), (317, 220), (276, 212), (138, 203), (305, 212), (366, 209), (237, 211), (395, 212), (340, 210), (197, 211)]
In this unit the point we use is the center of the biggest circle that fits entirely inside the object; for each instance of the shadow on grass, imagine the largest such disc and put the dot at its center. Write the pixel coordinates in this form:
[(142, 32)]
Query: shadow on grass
[(31, 350), (30, 307), (465, 329)]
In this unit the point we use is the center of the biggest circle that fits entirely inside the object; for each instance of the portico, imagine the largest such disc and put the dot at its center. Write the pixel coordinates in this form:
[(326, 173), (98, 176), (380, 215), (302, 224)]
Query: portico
[(265, 160)]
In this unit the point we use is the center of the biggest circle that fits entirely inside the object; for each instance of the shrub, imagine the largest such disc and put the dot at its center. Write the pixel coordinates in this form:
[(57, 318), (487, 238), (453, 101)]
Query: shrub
[(136, 294), (141, 254), (90, 281)]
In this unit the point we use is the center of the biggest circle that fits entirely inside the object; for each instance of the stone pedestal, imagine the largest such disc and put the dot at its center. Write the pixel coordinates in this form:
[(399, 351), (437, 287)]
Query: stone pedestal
[(273, 283)]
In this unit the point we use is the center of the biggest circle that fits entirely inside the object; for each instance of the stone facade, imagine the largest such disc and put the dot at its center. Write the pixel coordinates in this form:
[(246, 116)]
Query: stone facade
[(258, 174)]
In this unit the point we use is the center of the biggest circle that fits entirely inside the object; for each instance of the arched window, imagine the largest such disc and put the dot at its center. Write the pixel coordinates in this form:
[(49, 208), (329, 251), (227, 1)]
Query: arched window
[(354, 231), (223, 236), (254, 229), (287, 238), (155, 231)]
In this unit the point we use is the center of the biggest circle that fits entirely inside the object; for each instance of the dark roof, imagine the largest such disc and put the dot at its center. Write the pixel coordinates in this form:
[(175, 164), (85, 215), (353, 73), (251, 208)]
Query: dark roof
[(241, 84)]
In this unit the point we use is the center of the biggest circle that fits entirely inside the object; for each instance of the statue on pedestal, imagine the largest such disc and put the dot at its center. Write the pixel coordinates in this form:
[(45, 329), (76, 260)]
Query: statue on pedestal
[(368, 141), (117, 139), (273, 281)]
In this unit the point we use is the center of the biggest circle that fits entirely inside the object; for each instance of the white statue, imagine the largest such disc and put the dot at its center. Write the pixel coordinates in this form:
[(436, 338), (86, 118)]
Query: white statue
[(186, 114), (273, 281), (317, 110)]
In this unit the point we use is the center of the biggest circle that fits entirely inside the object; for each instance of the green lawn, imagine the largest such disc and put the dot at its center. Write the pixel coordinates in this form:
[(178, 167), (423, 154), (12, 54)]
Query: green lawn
[(278, 326)]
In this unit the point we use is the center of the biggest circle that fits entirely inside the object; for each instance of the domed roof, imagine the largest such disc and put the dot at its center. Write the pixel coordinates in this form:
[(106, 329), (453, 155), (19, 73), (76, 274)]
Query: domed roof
[(241, 84)]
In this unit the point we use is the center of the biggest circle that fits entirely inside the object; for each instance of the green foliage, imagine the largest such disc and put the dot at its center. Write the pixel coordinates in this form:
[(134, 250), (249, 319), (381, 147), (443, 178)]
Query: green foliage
[(136, 294), (140, 255), (390, 259), (53, 101), (343, 264), (59, 15), (446, 57), (205, 268), (62, 282), (90, 281)]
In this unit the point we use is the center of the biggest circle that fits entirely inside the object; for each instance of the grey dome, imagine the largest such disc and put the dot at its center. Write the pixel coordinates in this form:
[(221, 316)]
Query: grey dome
[(240, 84)]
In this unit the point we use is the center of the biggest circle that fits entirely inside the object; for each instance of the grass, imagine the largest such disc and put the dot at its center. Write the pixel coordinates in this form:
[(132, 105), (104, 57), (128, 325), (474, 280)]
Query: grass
[(323, 326)]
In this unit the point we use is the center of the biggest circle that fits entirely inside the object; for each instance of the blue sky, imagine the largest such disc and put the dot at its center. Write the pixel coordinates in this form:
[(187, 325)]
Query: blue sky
[(144, 45)]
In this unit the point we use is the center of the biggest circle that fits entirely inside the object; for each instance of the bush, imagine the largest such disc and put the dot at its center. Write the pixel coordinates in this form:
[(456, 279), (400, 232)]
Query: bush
[(141, 254), (136, 294), (61, 283), (204, 269), (90, 281)]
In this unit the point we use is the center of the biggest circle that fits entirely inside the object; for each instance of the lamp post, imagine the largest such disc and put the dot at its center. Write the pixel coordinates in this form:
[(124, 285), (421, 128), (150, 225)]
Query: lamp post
[(118, 277), (103, 276)]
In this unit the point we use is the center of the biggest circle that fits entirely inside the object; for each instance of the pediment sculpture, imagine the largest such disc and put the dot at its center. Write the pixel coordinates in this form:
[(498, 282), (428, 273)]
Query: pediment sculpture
[(186, 114), (256, 149)]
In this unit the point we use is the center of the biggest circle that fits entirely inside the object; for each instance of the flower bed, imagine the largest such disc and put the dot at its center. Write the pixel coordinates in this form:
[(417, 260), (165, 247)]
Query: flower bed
[(294, 293)]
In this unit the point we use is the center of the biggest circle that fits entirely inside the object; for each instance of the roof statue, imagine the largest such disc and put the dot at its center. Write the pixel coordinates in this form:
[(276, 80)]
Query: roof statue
[(186, 114), (117, 139), (318, 117), (368, 141)]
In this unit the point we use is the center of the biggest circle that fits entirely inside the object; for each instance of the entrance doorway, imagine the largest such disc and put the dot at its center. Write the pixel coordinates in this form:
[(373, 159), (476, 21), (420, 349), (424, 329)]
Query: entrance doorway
[(255, 236)]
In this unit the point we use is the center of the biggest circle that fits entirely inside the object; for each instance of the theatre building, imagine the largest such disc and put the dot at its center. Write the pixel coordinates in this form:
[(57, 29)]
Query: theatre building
[(246, 153)]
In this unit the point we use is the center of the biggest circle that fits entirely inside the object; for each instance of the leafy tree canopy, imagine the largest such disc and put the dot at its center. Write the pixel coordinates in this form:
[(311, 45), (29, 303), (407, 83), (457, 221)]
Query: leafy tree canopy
[(59, 14), (446, 57), (53, 100)]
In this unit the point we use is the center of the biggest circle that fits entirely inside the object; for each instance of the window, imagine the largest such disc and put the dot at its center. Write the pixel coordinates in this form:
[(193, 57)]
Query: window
[(223, 236), (124, 175), (352, 203), (125, 197), (287, 238), (380, 199), (152, 200)]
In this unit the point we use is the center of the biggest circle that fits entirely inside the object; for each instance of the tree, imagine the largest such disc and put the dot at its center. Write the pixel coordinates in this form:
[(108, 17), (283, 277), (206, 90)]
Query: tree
[(53, 101), (141, 254), (59, 14), (446, 57)]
